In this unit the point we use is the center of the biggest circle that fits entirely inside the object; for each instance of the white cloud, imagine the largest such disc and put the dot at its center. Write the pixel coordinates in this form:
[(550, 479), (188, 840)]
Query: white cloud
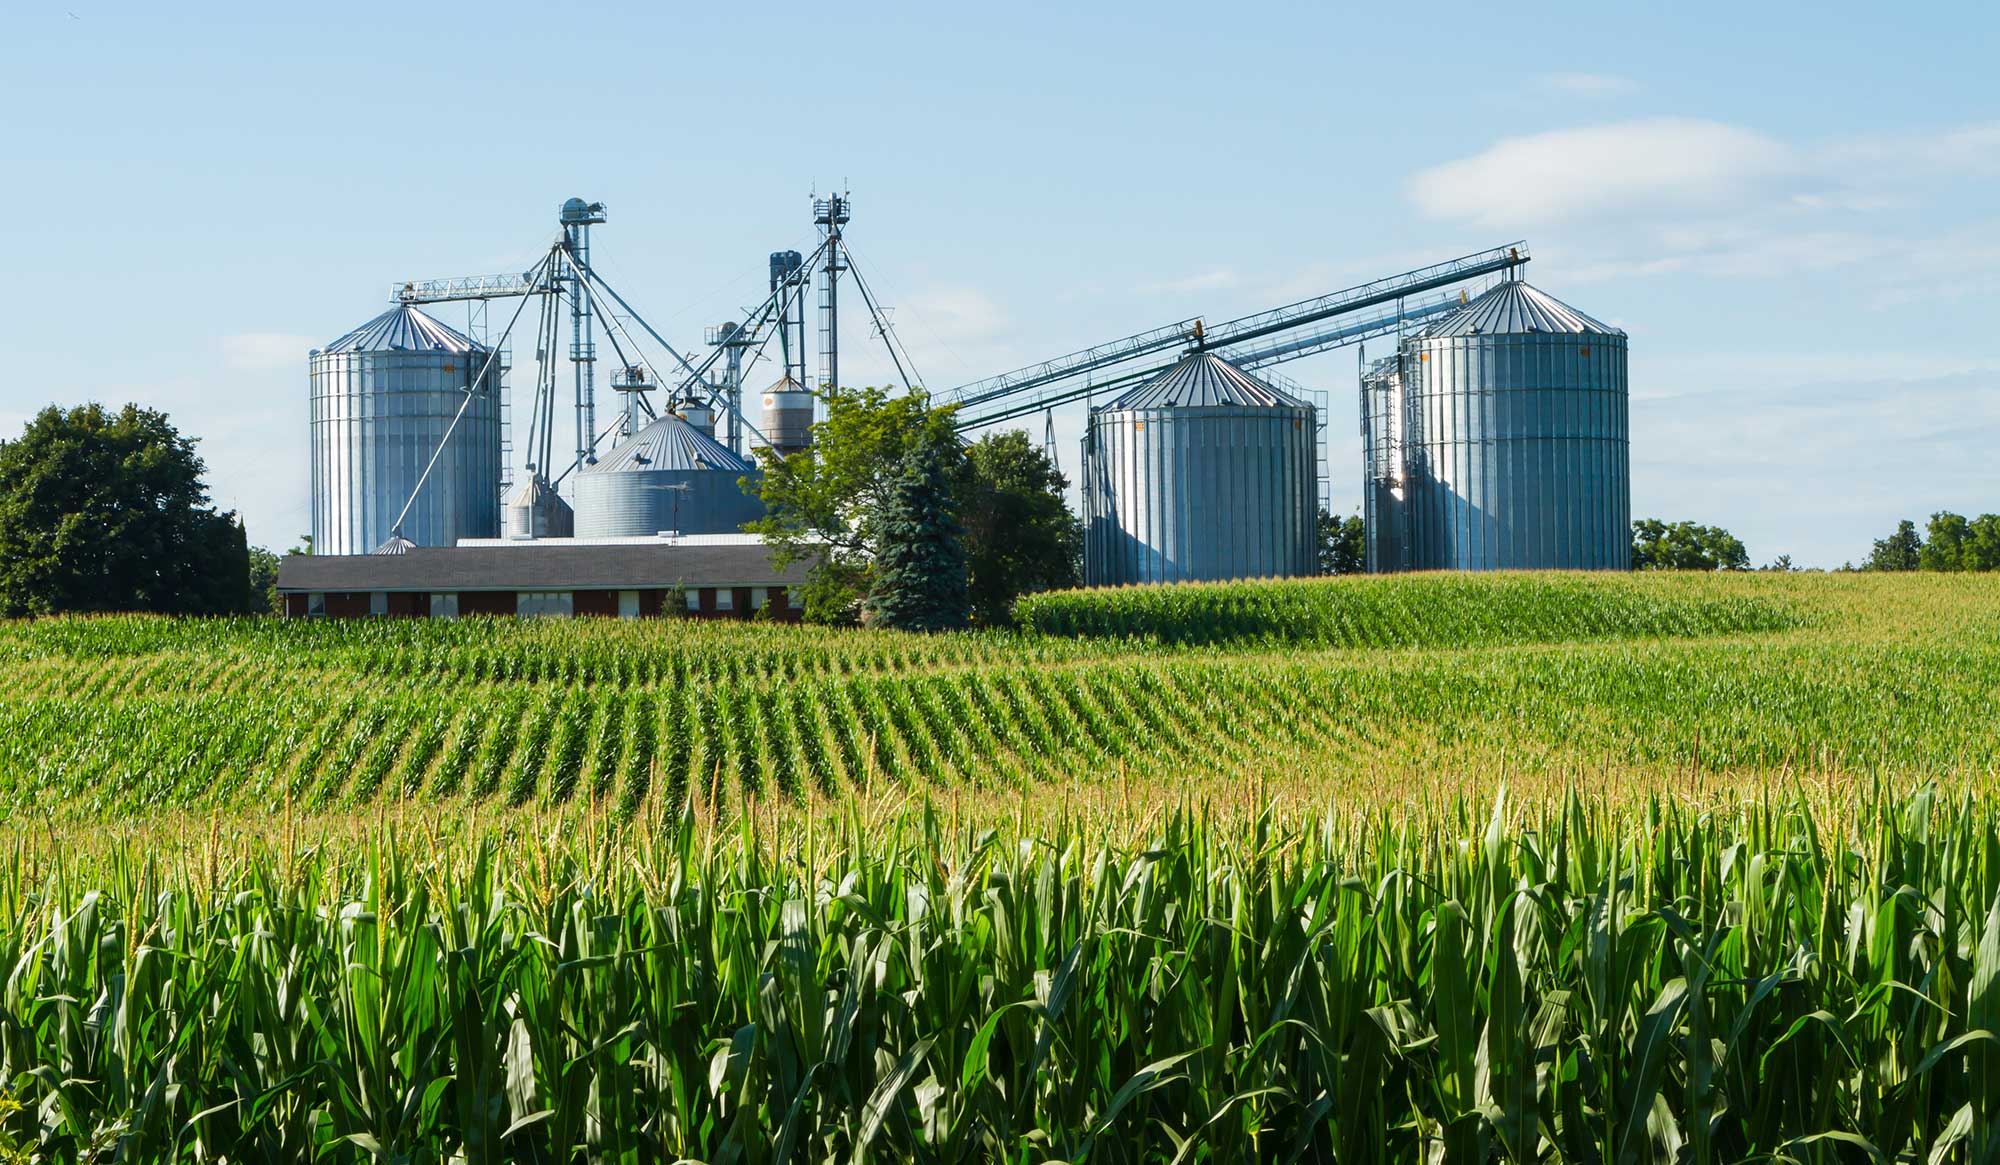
[(266, 351), (1658, 163), (1591, 85)]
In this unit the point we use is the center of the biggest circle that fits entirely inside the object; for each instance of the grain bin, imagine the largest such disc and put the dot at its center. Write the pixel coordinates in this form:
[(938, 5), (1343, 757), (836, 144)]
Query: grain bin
[(1202, 473), (1517, 448), (382, 397), (1382, 477), (787, 417), (668, 476), (537, 511)]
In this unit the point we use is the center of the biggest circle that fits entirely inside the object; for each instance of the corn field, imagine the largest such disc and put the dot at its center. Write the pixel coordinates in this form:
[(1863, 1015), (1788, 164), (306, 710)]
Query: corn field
[(1800, 977), (1537, 678)]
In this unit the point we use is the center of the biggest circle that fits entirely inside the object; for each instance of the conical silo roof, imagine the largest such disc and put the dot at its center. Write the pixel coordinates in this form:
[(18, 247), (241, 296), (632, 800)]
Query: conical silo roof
[(403, 329), (1515, 308), (670, 443), (1202, 378)]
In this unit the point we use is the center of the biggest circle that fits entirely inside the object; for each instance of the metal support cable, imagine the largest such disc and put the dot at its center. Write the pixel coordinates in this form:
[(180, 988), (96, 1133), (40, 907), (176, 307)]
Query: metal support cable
[(910, 383)]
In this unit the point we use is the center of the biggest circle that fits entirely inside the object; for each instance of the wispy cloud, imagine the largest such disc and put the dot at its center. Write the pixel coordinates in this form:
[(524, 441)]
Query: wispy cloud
[(266, 351), (1589, 85), (1655, 164), (1671, 195)]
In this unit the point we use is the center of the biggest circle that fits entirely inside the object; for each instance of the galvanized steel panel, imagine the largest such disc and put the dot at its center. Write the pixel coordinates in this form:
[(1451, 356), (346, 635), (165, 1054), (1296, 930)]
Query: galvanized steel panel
[(1518, 450), (1204, 493), (382, 398)]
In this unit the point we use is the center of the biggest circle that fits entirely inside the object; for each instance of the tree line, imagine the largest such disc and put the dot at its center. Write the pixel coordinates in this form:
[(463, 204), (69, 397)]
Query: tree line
[(1950, 542)]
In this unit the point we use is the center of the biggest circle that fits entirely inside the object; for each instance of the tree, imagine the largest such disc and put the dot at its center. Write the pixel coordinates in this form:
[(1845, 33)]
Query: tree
[(823, 505), (1658, 545), (1781, 563), (1020, 536), (1343, 544), (1903, 550), (1944, 543), (264, 580), (107, 512), (920, 575)]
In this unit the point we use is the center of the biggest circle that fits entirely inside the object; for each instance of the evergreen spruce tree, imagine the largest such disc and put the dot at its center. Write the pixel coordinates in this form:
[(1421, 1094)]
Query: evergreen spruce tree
[(920, 575)]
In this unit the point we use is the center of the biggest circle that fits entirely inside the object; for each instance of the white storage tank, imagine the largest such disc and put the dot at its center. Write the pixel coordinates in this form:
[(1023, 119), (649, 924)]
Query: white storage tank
[(787, 418)]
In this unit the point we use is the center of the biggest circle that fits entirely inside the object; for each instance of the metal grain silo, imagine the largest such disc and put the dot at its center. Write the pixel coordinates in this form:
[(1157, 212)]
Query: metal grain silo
[(668, 476), (382, 397), (537, 511), (787, 418), (1382, 479), (1517, 449), (1203, 473)]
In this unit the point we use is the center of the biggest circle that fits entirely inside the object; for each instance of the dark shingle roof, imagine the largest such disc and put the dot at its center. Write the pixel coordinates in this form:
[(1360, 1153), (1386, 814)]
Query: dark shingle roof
[(537, 567)]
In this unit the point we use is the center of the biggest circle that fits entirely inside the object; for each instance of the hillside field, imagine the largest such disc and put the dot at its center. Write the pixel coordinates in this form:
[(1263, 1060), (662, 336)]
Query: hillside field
[(1536, 868), (1400, 685)]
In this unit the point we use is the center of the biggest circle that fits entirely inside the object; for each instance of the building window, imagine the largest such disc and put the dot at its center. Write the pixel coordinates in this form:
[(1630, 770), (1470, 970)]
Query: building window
[(694, 598), (378, 602), (795, 598), (316, 603), (444, 605), (725, 599), (759, 596), (628, 604), (545, 604)]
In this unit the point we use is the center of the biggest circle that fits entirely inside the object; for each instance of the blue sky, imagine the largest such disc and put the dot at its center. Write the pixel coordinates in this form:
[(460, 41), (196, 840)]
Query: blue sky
[(1791, 208)]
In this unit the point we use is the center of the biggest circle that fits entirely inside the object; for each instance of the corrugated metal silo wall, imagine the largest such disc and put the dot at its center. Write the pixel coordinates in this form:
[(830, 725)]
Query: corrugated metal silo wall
[(630, 504), (377, 417), (1381, 459), (1519, 455), (1200, 494)]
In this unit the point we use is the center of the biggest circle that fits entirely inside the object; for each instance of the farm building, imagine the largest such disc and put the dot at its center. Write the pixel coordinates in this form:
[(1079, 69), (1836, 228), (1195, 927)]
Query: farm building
[(716, 578)]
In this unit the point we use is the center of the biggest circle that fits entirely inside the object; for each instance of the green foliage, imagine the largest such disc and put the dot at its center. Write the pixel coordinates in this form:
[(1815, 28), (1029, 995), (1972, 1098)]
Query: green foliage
[(1802, 976), (824, 505), (264, 581), (1020, 536), (107, 512), (1658, 545), (1423, 678), (1401, 611), (1343, 544), (1951, 542), (1900, 551), (919, 577)]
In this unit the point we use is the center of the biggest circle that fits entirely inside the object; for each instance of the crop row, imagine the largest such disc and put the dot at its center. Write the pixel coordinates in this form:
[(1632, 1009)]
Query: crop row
[(1413, 611), (1770, 982), (111, 736)]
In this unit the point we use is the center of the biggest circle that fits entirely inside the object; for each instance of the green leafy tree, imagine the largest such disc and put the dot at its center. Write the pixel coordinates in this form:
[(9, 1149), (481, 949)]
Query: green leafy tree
[(824, 505), (1020, 536), (1944, 543), (1658, 545), (104, 511), (264, 580), (919, 581), (1782, 563), (1343, 544), (1982, 543), (1903, 550)]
